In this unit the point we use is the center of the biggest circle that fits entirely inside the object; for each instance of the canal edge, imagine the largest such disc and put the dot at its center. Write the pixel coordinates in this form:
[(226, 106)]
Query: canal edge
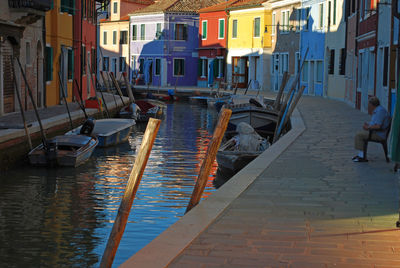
[(162, 250)]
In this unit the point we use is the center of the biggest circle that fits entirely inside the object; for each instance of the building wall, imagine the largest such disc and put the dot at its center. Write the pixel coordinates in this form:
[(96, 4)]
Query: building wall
[(351, 59), (285, 42), (26, 29), (113, 51), (336, 41), (313, 39), (382, 85), (59, 32), (246, 45), (212, 39)]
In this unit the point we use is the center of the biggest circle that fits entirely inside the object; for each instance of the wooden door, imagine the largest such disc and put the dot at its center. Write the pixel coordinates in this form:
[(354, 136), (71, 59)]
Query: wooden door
[(240, 70)]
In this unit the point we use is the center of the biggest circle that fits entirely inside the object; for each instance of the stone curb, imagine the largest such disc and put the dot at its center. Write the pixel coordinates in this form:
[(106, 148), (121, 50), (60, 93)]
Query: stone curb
[(169, 244)]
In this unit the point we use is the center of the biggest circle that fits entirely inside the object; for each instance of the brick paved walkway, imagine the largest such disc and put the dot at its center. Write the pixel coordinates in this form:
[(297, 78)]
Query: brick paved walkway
[(312, 207)]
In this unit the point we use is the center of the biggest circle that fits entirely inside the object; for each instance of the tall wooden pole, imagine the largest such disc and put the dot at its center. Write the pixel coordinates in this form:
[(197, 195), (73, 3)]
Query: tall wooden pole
[(108, 87), (130, 192), (44, 141), (277, 101), (212, 150), (117, 87), (22, 110), (95, 91), (65, 100), (128, 87)]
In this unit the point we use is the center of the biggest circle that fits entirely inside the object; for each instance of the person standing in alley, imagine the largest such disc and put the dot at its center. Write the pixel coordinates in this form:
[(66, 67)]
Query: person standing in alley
[(379, 121)]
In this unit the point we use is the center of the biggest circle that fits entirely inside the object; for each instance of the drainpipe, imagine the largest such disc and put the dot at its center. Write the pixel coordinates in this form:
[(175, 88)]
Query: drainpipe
[(226, 45), (43, 63)]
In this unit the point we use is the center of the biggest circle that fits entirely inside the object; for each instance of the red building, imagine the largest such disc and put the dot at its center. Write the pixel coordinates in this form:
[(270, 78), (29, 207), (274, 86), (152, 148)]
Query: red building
[(366, 49), (212, 43), (84, 48)]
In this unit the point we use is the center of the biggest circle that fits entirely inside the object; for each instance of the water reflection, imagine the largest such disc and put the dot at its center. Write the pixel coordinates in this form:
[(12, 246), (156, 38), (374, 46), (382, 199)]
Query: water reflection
[(62, 217)]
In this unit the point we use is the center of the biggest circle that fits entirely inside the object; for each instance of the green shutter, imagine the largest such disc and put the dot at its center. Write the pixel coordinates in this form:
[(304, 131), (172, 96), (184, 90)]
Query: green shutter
[(234, 30), (176, 67), (215, 67), (199, 67), (257, 27), (70, 64), (49, 63), (221, 28)]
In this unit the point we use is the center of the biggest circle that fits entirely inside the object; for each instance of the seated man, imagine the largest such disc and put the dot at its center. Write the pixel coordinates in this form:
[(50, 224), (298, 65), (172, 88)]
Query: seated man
[(379, 120)]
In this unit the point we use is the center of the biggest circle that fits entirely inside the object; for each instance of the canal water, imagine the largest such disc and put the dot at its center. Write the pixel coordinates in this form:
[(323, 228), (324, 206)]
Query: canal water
[(63, 217)]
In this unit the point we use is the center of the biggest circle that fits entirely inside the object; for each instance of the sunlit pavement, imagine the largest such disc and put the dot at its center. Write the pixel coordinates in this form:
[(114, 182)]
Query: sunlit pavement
[(312, 207)]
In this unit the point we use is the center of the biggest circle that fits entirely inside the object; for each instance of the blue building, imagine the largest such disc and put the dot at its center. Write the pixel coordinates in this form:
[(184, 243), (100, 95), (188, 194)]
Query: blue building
[(312, 38), (164, 40)]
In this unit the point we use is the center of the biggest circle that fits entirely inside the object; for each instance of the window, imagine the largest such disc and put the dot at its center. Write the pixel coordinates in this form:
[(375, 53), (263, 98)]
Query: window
[(234, 28), (331, 67), (180, 32), (385, 67), (106, 64), (342, 62), (284, 63), (83, 58), (158, 31), (122, 64), (70, 73), (202, 67), (221, 29), (257, 27), (123, 37), (329, 13), (204, 30), (320, 70), (304, 72), (115, 7), (273, 31), (220, 67), (114, 66), (141, 66), (334, 12), (68, 6), (28, 53), (104, 38), (134, 32), (142, 31), (48, 54), (321, 16), (179, 67), (114, 37), (285, 21), (158, 67)]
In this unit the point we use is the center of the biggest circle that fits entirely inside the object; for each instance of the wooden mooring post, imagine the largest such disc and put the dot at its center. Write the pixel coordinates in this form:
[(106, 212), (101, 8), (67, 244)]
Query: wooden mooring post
[(211, 153), (130, 192)]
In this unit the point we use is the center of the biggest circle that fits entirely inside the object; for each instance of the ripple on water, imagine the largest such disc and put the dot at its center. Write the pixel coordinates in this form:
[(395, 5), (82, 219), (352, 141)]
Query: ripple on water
[(63, 217)]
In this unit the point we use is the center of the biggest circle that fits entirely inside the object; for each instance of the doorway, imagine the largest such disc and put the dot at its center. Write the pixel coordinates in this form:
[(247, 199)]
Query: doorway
[(240, 70)]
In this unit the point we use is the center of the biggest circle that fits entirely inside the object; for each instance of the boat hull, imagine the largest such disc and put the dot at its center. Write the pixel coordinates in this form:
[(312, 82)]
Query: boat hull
[(66, 155)]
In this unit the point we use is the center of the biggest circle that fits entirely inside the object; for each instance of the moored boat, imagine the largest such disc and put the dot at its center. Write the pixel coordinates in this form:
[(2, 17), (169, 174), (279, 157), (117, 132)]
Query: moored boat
[(63, 150), (110, 131), (240, 150)]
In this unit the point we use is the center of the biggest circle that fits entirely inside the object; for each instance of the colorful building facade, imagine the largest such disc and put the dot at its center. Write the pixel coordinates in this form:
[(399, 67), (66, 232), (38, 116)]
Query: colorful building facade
[(212, 44), (312, 47), (164, 41), (285, 33), (59, 52), (114, 36), (249, 45), (21, 36), (84, 25)]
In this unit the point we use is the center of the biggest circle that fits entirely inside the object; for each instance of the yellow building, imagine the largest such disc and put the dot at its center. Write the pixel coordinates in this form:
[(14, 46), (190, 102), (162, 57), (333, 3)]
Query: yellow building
[(249, 44), (59, 52)]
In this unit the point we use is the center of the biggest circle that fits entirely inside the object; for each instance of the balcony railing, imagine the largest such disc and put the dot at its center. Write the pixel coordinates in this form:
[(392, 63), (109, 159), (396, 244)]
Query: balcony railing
[(42, 5)]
